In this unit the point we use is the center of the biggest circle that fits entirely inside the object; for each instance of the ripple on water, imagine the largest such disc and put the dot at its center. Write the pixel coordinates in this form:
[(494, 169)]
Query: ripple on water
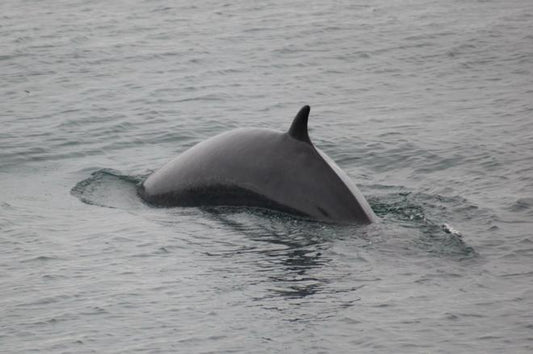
[(426, 104)]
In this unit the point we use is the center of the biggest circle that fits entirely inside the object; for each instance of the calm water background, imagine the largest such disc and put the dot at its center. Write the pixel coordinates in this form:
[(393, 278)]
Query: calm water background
[(427, 105)]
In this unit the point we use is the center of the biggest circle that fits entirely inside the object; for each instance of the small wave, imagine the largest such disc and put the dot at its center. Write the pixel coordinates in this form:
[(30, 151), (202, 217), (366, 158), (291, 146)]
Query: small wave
[(109, 188), (426, 214), (522, 205), (40, 259)]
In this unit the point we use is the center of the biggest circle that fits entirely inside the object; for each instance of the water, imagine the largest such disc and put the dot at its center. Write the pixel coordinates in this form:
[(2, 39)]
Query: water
[(426, 104)]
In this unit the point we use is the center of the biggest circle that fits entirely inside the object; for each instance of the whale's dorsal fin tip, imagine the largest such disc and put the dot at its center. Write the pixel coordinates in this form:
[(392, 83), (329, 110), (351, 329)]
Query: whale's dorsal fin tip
[(298, 129)]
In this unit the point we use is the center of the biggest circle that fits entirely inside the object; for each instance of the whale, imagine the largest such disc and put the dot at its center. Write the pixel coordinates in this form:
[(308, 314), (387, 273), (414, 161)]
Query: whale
[(262, 168)]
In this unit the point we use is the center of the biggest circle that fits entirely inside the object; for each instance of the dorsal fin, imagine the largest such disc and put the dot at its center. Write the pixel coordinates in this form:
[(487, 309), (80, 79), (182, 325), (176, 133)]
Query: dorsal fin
[(298, 129)]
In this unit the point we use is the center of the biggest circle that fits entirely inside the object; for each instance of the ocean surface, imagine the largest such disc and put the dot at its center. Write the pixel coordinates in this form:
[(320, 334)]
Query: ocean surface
[(427, 105)]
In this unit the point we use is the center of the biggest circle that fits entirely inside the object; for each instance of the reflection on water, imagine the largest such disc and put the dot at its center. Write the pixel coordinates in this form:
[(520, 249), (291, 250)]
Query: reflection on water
[(290, 249), (295, 281)]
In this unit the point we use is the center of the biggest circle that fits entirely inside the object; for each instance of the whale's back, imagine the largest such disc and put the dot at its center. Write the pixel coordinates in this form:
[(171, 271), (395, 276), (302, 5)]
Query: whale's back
[(261, 168)]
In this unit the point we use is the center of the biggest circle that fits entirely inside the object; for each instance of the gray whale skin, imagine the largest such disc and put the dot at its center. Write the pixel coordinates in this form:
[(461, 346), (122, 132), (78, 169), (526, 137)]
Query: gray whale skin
[(260, 168)]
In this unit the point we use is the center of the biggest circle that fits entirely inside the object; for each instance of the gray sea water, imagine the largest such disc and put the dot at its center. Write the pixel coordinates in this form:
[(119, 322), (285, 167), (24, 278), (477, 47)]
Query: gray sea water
[(427, 105)]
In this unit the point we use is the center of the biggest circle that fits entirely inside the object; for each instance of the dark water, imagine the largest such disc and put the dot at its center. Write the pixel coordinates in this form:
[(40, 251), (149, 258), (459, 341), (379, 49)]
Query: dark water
[(427, 105)]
